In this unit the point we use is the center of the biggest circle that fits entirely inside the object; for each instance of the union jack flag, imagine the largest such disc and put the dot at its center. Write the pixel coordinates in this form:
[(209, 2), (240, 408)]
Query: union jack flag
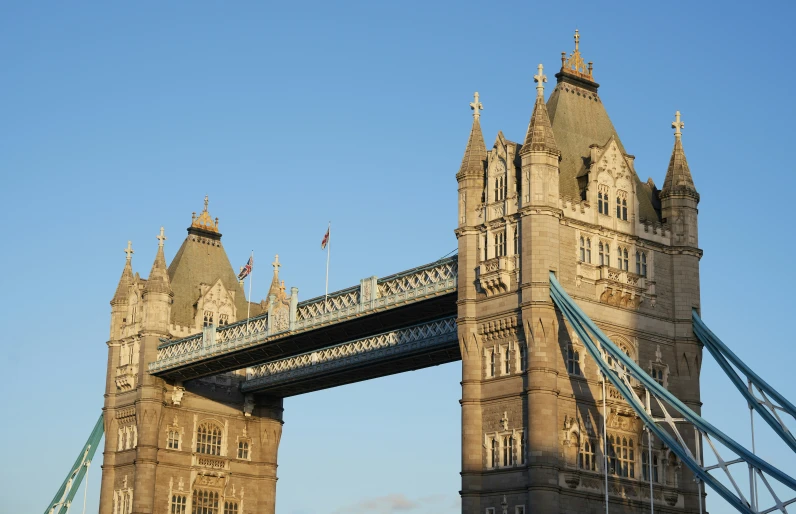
[(325, 239), (247, 269)]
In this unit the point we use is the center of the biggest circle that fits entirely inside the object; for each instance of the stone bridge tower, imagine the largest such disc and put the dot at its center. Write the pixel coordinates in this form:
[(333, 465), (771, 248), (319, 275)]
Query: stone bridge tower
[(568, 200), (179, 448)]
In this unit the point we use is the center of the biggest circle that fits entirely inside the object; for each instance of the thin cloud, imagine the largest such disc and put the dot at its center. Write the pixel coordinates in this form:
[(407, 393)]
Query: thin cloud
[(389, 504)]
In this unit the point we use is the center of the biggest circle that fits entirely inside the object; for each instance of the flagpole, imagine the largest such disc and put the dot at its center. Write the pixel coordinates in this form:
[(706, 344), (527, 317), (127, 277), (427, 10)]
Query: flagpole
[(328, 253), (249, 303)]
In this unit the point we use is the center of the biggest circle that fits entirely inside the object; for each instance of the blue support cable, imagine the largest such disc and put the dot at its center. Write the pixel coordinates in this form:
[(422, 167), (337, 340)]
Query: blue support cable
[(66, 493), (724, 357), (578, 320)]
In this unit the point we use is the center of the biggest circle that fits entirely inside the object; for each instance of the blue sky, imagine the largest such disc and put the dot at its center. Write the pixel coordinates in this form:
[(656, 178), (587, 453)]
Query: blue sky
[(118, 119)]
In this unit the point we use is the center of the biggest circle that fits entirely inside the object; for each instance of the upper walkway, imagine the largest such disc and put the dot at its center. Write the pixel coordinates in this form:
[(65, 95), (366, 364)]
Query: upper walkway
[(373, 307)]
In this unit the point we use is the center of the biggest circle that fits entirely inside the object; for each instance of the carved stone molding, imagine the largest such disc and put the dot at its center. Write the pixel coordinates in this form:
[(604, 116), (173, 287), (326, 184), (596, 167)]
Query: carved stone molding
[(494, 275)]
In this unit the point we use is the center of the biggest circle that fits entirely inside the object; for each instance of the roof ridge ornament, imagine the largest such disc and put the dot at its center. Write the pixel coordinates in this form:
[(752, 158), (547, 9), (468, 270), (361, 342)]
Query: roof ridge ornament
[(129, 251), (204, 221), (678, 126), (161, 238), (476, 106), (540, 78), (574, 64)]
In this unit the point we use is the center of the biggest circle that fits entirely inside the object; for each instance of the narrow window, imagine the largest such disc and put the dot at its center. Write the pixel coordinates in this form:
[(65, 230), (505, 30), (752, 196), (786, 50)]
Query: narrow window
[(522, 448), (624, 253), (204, 502), (517, 239), (519, 509), (223, 319), (494, 453), (645, 467), (602, 254), (500, 188), (500, 244), (618, 208), (586, 460), (243, 450), (638, 262), (507, 362), (655, 468), (508, 454), (523, 356), (492, 363), (643, 264), (600, 202), (624, 209), (173, 440), (619, 257), (582, 250), (588, 250), (607, 254), (230, 507), (573, 361), (208, 318)]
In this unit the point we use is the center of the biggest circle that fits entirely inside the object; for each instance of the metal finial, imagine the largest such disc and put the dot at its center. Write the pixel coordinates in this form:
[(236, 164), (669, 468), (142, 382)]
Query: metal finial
[(207, 200), (540, 78), (677, 125), (129, 251), (577, 39), (161, 237), (476, 106)]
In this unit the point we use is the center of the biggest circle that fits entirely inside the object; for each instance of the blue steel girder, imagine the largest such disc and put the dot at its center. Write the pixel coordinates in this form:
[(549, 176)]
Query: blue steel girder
[(622, 371), (421, 294), (406, 349)]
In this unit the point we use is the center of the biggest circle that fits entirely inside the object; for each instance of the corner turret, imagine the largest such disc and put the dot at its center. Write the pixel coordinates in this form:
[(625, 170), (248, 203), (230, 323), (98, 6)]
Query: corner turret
[(121, 297), (158, 293), (679, 197), (471, 172)]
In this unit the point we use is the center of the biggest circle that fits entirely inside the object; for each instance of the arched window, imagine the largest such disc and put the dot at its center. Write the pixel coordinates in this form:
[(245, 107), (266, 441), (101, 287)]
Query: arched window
[(523, 356), (508, 450), (618, 208), (500, 188), (494, 453), (586, 460), (178, 502), (621, 456), (208, 318), (205, 502), (624, 258), (573, 361), (602, 203), (230, 507), (601, 252), (500, 244), (624, 209), (507, 362), (643, 264), (588, 250), (522, 448), (208, 439), (582, 249), (517, 239)]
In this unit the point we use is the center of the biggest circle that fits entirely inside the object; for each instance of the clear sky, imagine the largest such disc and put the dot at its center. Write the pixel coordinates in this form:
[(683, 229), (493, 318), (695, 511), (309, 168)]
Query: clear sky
[(119, 118)]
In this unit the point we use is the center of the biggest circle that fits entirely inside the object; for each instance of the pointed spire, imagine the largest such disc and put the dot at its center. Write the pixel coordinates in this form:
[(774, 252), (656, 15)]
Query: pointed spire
[(678, 176), (539, 137), (274, 289), (158, 281), (475, 153), (127, 277), (574, 64)]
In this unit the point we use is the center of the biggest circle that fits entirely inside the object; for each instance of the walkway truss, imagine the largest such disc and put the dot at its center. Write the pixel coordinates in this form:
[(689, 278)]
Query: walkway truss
[(666, 417)]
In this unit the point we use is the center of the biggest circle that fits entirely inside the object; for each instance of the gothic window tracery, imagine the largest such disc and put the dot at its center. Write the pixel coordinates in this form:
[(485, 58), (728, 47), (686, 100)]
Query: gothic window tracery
[(508, 450), (621, 205), (204, 502), (492, 358), (641, 263), (621, 456), (173, 440), (585, 249), (500, 188), (573, 361), (223, 319), (506, 362), (208, 438), (605, 254), (494, 453), (500, 244), (505, 449), (208, 318), (622, 261), (586, 458), (645, 467), (523, 356), (178, 503), (230, 507), (243, 449)]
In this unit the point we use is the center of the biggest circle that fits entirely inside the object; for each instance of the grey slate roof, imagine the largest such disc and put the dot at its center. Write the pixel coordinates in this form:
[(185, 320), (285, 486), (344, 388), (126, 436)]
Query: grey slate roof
[(158, 280), (678, 176), (201, 260), (579, 120), (539, 136), (125, 281)]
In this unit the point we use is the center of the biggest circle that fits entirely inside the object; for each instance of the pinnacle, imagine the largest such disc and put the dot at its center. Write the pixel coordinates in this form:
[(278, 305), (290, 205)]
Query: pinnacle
[(678, 176), (539, 137), (475, 152), (124, 284), (158, 281)]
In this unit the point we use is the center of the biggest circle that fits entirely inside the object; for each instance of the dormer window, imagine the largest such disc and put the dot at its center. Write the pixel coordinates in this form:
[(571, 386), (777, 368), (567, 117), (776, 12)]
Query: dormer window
[(208, 318), (500, 188), (223, 319)]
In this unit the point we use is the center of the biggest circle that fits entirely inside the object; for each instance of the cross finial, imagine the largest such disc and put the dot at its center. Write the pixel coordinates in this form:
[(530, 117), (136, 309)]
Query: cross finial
[(129, 251), (207, 200), (161, 237), (476, 106), (276, 264), (577, 39), (540, 79), (677, 125)]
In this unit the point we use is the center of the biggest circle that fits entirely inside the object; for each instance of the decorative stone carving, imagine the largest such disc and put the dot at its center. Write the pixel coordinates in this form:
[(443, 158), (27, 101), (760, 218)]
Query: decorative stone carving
[(670, 497), (494, 275), (248, 405), (177, 394), (572, 479)]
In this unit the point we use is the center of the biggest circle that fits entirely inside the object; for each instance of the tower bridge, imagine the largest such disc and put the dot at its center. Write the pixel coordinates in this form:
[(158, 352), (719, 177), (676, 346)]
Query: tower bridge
[(573, 305)]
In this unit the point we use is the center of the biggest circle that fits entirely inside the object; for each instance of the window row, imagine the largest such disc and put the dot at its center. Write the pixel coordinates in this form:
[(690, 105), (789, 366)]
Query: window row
[(603, 205), (209, 440), (604, 256), (209, 319), (202, 502), (518, 509), (500, 246), (127, 438), (506, 450), (621, 458), (123, 501), (502, 359)]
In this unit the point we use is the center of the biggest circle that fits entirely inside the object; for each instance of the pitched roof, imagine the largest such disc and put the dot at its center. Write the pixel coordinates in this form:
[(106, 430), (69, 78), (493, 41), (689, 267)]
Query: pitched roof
[(678, 176), (201, 260), (539, 136), (475, 153), (579, 120)]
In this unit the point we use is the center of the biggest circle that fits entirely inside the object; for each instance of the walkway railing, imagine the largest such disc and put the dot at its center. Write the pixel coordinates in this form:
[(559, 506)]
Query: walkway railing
[(372, 295)]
